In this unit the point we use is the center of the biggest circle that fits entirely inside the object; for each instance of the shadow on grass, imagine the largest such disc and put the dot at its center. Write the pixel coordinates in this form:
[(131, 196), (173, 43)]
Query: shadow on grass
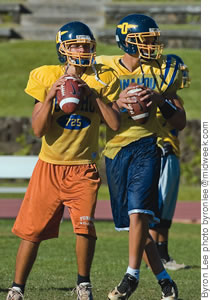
[(3, 290), (195, 267), (181, 269), (189, 267)]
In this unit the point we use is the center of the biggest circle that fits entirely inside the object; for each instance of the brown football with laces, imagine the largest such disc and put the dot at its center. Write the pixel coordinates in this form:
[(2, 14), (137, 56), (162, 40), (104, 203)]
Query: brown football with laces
[(69, 95), (138, 111)]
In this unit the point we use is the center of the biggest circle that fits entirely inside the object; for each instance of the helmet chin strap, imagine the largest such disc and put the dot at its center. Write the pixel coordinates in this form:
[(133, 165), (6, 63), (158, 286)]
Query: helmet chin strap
[(67, 66), (146, 59), (142, 71), (96, 76), (77, 62), (144, 53), (94, 70)]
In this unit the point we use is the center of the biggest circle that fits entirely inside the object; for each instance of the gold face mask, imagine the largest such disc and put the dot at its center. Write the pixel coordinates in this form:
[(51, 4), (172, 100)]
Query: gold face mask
[(147, 43), (71, 49)]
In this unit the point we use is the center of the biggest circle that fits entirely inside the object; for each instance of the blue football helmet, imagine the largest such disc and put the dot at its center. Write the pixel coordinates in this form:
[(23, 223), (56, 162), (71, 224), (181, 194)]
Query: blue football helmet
[(74, 33), (138, 33), (184, 68)]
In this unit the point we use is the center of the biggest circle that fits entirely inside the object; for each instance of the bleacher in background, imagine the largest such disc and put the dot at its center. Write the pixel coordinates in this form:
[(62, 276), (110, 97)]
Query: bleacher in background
[(40, 19)]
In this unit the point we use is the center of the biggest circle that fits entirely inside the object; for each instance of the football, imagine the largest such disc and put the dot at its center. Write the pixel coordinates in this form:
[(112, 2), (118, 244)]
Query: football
[(69, 95), (139, 112)]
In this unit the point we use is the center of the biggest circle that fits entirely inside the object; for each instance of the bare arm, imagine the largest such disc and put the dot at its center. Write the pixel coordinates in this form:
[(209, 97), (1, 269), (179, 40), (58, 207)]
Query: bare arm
[(41, 118), (41, 115), (110, 114)]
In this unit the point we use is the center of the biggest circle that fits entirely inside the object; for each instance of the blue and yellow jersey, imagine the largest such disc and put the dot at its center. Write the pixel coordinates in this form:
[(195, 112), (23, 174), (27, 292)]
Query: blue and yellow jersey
[(170, 134), (158, 75), (73, 139)]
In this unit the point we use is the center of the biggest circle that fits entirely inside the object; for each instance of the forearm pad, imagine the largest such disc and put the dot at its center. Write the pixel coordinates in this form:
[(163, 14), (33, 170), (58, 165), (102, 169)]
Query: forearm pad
[(168, 109)]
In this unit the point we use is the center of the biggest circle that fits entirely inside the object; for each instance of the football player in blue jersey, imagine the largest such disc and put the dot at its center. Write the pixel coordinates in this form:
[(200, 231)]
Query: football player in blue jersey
[(131, 154), (169, 177)]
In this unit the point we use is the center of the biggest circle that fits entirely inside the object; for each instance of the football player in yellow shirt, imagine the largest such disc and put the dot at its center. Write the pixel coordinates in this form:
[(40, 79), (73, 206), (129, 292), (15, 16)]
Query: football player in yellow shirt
[(169, 178), (131, 153), (66, 172)]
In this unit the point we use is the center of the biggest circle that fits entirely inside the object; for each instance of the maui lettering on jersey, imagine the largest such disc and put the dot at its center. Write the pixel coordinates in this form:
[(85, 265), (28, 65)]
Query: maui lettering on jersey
[(87, 106), (147, 81)]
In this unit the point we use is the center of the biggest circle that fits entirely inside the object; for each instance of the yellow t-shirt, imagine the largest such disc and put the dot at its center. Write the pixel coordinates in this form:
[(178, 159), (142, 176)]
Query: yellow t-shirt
[(73, 139), (155, 74)]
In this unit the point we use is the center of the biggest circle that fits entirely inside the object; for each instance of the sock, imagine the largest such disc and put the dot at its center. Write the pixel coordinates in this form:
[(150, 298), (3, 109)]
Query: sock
[(163, 275), (18, 287), (163, 250), (81, 279), (134, 272)]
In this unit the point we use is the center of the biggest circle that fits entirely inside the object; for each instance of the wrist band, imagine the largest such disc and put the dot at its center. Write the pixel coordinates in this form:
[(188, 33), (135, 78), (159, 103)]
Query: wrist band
[(168, 109)]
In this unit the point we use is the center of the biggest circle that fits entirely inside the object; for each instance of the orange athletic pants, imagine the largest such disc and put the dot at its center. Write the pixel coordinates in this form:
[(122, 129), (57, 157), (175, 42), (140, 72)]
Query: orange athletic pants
[(50, 188)]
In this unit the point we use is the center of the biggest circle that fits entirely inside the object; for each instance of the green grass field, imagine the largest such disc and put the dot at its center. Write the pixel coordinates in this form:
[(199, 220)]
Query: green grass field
[(54, 272)]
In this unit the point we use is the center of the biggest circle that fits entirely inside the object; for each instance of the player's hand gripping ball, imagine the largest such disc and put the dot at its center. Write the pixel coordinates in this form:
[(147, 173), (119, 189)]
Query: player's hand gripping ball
[(69, 95), (139, 111)]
